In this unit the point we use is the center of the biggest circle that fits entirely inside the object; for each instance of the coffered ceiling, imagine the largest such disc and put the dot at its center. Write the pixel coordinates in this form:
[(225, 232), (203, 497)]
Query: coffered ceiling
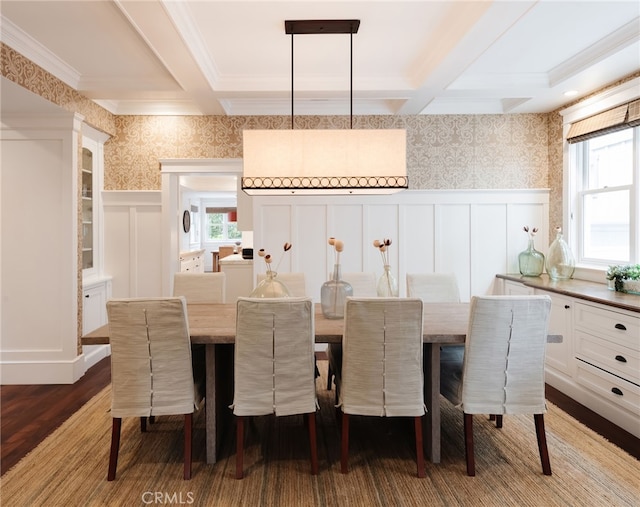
[(409, 57)]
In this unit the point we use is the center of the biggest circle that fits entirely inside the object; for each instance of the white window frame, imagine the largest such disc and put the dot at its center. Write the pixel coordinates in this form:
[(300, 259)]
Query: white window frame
[(616, 96)]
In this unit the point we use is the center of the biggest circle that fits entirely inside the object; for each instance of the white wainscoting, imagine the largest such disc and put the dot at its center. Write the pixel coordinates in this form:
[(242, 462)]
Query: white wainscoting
[(133, 242), (473, 233)]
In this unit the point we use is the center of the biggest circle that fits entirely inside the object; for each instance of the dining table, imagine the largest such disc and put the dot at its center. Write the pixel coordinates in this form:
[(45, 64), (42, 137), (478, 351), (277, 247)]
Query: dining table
[(214, 325)]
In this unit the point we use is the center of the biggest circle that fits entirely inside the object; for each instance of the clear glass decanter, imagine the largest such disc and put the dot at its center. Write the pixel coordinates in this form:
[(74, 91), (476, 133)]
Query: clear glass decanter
[(333, 295), (270, 287), (387, 284), (560, 261)]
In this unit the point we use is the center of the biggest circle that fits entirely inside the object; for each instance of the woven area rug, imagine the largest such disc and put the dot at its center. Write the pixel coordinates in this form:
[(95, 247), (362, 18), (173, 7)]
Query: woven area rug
[(69, 468)]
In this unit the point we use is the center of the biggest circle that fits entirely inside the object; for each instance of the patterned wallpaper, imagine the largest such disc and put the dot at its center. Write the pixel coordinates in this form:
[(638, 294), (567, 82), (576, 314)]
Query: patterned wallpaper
[(443, 151)]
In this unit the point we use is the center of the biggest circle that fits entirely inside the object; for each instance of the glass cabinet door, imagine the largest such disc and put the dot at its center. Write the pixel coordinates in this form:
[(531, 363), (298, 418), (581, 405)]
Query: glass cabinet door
[(87, 209)]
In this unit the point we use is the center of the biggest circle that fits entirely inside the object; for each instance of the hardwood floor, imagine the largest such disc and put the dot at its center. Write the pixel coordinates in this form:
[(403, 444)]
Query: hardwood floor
[(29, 413)]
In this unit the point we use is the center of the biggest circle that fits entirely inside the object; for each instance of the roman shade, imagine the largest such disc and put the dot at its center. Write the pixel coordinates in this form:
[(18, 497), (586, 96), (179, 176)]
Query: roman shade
[(221, 209), (612, 120)]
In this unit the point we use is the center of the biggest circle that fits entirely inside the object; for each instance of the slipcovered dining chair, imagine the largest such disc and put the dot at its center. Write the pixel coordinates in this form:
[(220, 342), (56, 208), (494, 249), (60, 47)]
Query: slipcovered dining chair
[(382, 365), (200, 287), (274, 365), (433, 287), (503, 368), (295, 282), (151, 371), (439, 288), (364, 286)]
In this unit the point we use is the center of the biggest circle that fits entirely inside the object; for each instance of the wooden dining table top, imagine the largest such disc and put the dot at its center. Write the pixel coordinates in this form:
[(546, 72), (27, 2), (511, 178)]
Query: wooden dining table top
[(216, 323)]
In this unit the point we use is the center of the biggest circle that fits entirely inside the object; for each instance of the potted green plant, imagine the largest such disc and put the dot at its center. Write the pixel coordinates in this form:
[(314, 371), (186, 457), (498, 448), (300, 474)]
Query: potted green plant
[(624, 278)]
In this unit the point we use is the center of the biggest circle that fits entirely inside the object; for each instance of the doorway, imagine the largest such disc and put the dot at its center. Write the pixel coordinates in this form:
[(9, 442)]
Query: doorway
[(176, 173)]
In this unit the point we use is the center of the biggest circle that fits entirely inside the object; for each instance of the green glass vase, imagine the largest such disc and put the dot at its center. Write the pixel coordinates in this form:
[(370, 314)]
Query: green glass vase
[(530, 261)]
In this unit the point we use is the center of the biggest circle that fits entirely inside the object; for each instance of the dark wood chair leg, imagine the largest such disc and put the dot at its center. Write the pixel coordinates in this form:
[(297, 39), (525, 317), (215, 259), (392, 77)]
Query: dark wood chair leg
[(152, 419), (542, 443), (419, 446), (188, 439), (115, 446), (344, 454), (329, 375), (143, 424), (468, 444), (499, 421), (313, 445), (239, 445)]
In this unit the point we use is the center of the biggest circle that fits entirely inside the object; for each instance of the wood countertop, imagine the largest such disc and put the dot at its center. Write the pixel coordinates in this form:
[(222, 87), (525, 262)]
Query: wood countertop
[(581, 289)]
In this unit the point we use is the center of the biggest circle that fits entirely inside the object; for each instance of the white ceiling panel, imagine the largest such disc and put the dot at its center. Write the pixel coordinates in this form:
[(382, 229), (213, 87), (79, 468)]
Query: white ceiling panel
[(409, 57)]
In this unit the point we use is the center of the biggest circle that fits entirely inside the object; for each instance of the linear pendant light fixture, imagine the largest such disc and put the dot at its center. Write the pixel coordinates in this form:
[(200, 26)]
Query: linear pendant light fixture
[(324, 161)]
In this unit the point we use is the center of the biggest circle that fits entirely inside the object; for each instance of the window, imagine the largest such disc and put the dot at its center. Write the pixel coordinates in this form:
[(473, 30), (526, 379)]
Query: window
[(218, 227), (607, 178)]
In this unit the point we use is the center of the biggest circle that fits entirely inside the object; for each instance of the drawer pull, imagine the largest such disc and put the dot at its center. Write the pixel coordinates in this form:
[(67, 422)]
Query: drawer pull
[(617, 391), (622, 359), (566, 307), (620, 326)]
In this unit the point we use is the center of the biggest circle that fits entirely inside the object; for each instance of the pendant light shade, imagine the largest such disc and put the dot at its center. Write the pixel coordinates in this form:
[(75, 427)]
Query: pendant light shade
[(324, 161)]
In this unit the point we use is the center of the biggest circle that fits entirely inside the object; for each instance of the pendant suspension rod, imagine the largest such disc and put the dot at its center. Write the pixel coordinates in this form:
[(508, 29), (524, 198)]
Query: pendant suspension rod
[(351, 79), (291, 81)]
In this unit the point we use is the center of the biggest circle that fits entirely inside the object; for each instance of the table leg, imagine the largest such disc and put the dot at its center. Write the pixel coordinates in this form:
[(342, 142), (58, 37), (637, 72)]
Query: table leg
[(210, 403), (432, 400)]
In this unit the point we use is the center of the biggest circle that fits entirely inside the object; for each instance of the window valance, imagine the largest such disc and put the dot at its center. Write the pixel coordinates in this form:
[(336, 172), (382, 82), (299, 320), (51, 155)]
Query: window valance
[(612, 120)]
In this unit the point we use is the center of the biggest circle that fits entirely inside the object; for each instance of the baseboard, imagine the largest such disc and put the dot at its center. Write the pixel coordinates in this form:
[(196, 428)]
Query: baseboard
[(42, 372)]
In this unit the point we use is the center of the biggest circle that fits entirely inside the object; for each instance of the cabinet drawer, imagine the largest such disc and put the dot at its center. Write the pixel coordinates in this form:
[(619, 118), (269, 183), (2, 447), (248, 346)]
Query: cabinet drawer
[(614, 326), (612, 357), (614, 389)]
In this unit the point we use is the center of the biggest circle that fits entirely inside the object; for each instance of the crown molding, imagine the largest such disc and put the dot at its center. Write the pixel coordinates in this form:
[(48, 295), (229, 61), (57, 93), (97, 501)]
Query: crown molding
[(613, 43), (28, 47)]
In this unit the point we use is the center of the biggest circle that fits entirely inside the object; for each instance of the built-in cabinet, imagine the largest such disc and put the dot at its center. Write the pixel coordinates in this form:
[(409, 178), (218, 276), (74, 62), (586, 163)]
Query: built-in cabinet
[(192, 262), (94, 305), (598, 361), (96, 285)]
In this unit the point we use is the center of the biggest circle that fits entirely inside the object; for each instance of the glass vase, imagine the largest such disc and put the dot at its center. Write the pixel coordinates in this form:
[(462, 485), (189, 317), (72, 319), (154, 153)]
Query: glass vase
[(387, 284), (560, 261), (333, 295), (270, 287), (531, 262)]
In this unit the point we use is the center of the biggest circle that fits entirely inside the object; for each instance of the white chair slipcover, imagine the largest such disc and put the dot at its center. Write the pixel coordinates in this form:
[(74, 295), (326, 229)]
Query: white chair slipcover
[(503, 368), (364, 285), (295, 282), (274, 363), (151, 371), (382, 371), (433, 287), (200, 287)]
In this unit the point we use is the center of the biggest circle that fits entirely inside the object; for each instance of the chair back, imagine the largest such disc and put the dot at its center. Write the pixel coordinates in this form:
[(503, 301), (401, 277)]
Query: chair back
[(200, 287), (433, 287), (364, 284), (225, 251), (382, 357), (295, 282), (151, 372), (503, 369), (274, 357)]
